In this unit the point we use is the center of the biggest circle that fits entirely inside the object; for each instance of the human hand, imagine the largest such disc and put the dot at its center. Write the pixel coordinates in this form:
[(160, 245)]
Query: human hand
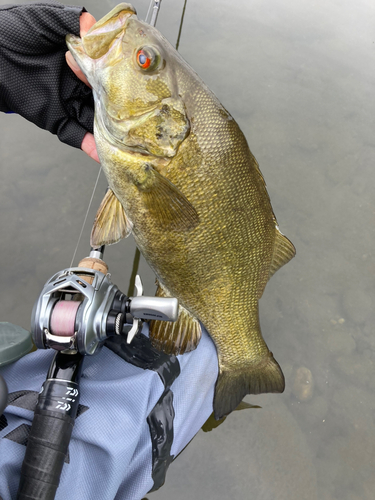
[(35, 81), (85, 22)]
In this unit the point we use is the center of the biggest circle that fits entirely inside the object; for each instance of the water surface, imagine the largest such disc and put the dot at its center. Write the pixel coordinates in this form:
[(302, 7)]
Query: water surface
[(298, 77)]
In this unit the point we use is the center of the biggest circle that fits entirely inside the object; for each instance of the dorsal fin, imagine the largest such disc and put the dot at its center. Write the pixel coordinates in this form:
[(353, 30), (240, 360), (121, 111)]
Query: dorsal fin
[(177, 337), (283, 252)]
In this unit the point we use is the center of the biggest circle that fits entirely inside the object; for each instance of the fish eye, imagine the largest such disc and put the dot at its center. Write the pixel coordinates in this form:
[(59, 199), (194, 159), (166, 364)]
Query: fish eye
[(147, 58)]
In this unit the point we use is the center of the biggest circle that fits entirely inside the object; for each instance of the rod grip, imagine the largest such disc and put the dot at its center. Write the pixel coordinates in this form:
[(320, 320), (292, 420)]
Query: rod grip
[(48, 440)]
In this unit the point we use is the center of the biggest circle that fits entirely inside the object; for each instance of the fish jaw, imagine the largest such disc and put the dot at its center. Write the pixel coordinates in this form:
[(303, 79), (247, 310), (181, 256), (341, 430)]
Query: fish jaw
[(106, 33), (100, 36), (85, 63)]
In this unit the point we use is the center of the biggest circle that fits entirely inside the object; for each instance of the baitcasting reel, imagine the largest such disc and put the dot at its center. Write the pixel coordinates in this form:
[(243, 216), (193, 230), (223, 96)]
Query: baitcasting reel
[(80, 307)]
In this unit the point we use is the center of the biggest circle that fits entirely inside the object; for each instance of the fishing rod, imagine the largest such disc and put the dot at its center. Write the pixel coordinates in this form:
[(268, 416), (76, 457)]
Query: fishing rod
[(153, 12), (78, 309)]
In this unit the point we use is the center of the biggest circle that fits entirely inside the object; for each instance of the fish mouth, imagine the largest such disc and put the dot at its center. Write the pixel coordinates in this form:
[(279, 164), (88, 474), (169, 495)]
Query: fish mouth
[(100, 39), (101, 35)]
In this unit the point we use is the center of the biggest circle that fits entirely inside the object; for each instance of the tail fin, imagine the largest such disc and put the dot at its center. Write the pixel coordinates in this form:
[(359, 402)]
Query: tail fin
[(233, 385)]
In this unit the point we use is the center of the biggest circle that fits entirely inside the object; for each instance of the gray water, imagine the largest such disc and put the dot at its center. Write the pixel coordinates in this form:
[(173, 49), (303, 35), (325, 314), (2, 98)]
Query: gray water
[(298, 76)]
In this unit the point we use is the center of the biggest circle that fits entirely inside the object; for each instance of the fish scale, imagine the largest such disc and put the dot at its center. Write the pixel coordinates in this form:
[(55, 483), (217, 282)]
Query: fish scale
[(188, 188)]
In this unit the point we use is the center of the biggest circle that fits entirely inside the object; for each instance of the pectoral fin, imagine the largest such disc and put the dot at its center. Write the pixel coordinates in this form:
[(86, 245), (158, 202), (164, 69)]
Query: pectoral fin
[(178, 337), (164, 201), (111, 223)]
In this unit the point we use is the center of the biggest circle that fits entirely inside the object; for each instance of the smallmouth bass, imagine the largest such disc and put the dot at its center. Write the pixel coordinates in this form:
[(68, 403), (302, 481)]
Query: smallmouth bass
[(183, 181)]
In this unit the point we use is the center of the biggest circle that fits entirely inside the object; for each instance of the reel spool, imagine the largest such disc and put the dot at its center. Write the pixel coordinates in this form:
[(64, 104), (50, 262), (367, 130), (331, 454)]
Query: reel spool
[(80, 307), (63, 318)]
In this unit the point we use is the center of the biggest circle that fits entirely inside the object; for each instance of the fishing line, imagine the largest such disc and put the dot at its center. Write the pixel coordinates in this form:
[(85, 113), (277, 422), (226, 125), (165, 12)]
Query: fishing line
[(87, 213), (181, 23)]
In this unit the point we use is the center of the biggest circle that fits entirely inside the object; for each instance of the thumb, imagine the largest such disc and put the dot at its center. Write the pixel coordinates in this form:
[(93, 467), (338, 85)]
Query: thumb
[(75, 68), (86, 21), (88, 146)]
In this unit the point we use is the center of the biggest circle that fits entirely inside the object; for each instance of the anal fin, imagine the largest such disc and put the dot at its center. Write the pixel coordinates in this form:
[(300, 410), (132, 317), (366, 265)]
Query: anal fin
[(111, 223), (178, 337), (283, 252)]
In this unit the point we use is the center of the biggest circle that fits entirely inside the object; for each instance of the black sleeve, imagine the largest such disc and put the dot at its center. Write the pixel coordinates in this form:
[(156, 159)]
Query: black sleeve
[(35, 80)]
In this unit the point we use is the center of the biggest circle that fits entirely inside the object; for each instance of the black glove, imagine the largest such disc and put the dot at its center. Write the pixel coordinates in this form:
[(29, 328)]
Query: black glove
[(35, 80)]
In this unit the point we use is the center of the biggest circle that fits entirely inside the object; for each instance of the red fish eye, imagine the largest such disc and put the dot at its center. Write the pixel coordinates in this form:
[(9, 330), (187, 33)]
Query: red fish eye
[(148, 58), (143, 59)]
